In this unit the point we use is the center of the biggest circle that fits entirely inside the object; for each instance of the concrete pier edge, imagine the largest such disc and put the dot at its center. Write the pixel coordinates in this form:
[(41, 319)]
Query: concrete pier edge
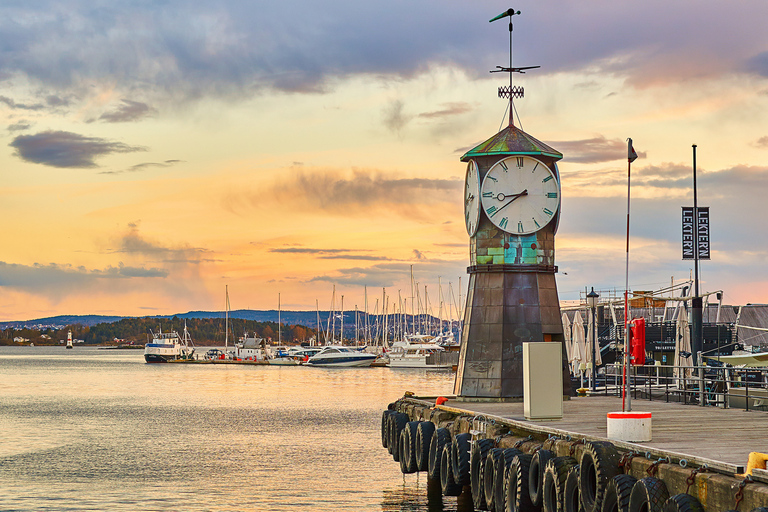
[(716, 488)]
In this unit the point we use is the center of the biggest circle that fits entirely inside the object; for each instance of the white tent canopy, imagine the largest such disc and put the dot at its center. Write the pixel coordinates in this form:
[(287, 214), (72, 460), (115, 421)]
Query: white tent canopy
[(567, 336), (578, 344)]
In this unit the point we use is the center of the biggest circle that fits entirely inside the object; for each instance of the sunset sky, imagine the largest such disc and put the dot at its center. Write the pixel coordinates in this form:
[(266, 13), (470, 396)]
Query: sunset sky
[(154, 152)]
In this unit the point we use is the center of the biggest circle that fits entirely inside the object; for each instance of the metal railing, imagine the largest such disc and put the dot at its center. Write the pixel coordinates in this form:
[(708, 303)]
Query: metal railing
[(726, 387)]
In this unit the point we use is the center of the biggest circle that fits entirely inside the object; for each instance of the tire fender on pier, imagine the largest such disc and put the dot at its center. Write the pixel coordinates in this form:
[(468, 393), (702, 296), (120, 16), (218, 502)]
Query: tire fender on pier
[(440, 438), (477, 460), (517, 498), (553, 485), (408, 448), (648, 495), (494, 457), (617, 493), (571, 501), (688, 503), (599, 463), (397, 423), (385, 427), (499, 491), (447, 481), (536, 475), (460, 453), (424, 433)]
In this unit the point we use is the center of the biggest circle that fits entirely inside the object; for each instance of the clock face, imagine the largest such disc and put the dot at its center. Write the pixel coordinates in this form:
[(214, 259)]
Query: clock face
[(520, 195), (472, 198)]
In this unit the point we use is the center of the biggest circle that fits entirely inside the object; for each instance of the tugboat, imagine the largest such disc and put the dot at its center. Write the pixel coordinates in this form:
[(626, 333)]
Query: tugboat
[(69, 339), (169, 346)]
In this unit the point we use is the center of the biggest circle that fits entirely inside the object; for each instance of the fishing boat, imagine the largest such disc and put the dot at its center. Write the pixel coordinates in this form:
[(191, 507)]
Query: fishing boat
[(417, 351), (169, 346), (340, 356)]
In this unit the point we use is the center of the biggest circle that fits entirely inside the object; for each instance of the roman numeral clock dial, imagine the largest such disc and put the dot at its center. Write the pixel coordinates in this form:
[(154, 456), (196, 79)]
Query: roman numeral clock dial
[(472, 198), (520, 195)]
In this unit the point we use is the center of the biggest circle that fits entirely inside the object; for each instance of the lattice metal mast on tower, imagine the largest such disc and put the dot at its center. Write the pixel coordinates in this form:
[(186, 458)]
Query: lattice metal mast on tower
[(510, 92)]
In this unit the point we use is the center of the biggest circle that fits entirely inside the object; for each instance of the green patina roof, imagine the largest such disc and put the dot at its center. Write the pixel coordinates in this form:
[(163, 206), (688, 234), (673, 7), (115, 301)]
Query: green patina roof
[(512, 141)]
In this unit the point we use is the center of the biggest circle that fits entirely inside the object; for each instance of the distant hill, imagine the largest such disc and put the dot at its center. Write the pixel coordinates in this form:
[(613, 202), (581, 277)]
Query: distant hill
[(307, 318), (61, 321)]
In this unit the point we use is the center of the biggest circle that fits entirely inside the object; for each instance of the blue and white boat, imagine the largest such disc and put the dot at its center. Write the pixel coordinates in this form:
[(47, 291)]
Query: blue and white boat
[(337, 355), (168, 346)]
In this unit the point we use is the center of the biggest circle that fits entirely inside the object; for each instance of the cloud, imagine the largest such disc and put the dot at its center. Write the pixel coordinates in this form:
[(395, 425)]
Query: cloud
[(594, 150), (54, 276), (20, 106), (393, 116), (359, 257), (132, 242), (236, 48), (336, 191), (127, 112), (144, 166), (66, 149), (762, 142), (389, 273), (331, 254), (57, 101), (448, 110), (306, 250), (418, 255), (19, 126), (668, 180), (758, 64)]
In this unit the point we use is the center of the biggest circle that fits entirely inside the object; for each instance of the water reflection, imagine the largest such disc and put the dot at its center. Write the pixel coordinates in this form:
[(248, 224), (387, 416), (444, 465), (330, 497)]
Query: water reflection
[(101, 430), (424, 495)]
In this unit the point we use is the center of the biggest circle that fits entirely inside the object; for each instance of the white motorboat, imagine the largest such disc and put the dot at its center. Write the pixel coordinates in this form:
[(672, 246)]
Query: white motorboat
[(417, 351), (337, 355), (169, 346)]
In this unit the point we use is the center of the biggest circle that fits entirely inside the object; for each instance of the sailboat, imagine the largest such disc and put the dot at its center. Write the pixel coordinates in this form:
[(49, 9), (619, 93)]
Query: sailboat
[(281, 357)]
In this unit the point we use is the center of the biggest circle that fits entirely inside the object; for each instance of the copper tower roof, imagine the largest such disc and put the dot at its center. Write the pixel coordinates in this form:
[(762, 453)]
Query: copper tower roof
[(512, 141)]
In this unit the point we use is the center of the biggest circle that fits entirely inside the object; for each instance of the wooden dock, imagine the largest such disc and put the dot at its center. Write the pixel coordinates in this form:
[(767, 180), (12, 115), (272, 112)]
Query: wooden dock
[(725, 435), (685, 439)]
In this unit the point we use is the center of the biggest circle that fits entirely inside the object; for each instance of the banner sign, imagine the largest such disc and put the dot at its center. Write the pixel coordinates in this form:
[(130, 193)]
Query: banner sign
[(689, 240)]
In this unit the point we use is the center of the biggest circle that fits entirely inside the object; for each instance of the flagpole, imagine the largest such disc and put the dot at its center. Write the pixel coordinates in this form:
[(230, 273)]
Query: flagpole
[(626, 397)]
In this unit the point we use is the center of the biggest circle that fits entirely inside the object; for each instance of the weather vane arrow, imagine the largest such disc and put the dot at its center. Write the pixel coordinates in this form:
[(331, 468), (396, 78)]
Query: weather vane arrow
[(508, 12), (510, 91)]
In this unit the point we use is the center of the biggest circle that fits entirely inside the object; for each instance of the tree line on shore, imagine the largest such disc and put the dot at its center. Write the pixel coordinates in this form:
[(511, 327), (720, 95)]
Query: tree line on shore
[(203, 331)]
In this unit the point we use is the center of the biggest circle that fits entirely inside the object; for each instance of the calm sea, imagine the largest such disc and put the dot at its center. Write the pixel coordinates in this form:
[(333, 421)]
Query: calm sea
[(89, 429)]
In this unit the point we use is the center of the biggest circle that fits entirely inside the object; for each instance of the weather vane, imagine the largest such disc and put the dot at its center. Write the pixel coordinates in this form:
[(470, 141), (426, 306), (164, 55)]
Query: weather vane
[(510, 91)]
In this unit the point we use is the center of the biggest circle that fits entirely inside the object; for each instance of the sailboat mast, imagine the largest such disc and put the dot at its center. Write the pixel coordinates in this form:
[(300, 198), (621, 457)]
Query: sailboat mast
[(440, 301), (333, 315), (341, 332), (413, 305), (226, 317), (376, 314), (317, 306), (279, 323)]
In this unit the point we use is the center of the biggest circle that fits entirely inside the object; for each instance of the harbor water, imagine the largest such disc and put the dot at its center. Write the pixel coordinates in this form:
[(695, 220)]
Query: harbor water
[(90, 429)]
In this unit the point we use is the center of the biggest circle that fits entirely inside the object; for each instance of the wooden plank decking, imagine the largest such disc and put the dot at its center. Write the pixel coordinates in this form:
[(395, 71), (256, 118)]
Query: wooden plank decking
[(725, 435)]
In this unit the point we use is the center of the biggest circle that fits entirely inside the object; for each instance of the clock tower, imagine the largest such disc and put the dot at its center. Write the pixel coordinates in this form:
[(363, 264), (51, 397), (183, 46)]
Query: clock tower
[(512, 208)]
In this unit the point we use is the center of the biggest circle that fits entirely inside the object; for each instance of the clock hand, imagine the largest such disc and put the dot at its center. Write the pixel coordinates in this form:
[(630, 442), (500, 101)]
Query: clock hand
[(502, 196), (523, 193)]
